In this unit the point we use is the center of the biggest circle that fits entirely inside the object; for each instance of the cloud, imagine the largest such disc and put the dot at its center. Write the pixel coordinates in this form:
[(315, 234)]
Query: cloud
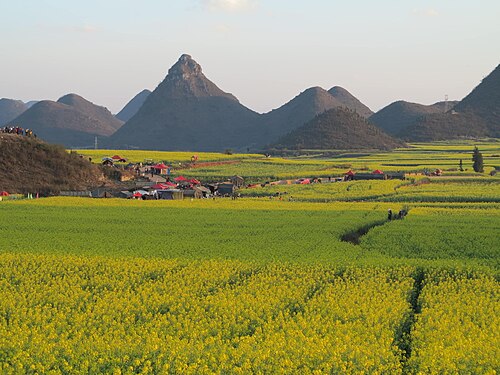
[(229, 5), (222, 29), (430, 12), (81, 29)]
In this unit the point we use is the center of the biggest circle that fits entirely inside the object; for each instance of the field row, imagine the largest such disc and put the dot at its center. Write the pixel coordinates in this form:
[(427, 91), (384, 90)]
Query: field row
[(95, 315), (246, 229)]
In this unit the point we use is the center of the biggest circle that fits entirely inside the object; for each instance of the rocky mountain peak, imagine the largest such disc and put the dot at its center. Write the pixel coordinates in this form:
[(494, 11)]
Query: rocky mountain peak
[(184, 68)]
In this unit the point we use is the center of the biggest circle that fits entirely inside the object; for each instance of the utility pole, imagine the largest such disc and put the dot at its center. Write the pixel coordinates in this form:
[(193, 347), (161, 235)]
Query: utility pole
[(446, 103), (95, 143)]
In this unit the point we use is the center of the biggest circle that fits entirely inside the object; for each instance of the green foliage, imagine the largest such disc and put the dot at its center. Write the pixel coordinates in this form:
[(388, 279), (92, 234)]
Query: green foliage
[(477, 158)]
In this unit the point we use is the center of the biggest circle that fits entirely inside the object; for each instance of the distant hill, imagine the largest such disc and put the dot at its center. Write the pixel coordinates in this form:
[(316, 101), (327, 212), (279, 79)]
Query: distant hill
[(445, 126), (301, 109), (29, 165), (341, 129), (133, 106), (10, 109), (477, 115), (71, 121), (31, 103), (189, 112), (350, 101), (397, 116)]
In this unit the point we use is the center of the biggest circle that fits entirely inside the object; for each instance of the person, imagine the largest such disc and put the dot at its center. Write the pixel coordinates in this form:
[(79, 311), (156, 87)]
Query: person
[(389, 214)]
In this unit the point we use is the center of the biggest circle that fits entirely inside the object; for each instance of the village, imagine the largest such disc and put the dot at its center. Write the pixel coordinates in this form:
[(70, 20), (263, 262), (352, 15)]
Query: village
[(153, 181)]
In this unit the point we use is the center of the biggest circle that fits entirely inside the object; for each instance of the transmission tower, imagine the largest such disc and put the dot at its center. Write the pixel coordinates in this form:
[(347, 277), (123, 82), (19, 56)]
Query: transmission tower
[(446, 103), (95, 142)]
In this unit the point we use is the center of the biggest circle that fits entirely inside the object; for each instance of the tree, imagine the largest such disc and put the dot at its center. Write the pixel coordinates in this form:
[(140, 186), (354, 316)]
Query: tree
[(461, 166), (477, 158)]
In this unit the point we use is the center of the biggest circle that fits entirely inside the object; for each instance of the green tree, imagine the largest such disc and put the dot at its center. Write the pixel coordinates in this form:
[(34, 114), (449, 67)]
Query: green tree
[(461, 166), (477, 158)]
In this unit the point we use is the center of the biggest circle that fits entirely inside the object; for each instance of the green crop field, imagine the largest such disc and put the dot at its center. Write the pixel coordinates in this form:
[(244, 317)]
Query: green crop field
[(319, 283)]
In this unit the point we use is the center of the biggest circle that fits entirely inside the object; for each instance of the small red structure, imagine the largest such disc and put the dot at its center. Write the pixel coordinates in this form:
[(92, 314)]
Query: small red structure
[(350, 173), (194, 181), (118, 158), (160, 186), (160, 168), (4, 194), (180, 179), (137, 195), (377, 171)]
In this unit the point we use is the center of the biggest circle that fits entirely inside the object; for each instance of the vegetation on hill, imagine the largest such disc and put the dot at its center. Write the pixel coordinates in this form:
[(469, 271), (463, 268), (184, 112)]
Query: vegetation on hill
[(338, 128), (395, 118), (350, 101), (28, 165), (477, 115)]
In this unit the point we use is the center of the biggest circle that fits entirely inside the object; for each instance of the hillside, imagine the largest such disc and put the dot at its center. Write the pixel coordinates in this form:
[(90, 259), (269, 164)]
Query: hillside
[(133, 106), (341, 129), (484, 101), (29, 165), (350, 101), (301, 109), (71, 121), (397, 116), (189, 112), (477, 115), (10, 109), (108, 123)]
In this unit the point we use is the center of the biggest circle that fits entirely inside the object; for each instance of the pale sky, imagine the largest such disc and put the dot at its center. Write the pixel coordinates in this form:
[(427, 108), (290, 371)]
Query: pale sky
[(263, 51)]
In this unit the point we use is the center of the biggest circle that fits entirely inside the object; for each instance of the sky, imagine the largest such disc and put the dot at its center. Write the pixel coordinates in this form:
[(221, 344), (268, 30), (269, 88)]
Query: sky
[(265, 52)]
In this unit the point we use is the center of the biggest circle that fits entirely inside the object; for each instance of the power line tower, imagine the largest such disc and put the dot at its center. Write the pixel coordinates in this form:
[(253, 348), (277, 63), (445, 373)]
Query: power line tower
[(95, 143), (446, 103)]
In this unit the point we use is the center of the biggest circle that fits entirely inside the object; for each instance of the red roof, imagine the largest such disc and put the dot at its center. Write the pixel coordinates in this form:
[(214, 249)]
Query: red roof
[(160, 166), (117, 157), (194, 181), (350, 173), (168, 183), (377, 171), (180, 178), (137, 195), (4, 194), (160, 186)]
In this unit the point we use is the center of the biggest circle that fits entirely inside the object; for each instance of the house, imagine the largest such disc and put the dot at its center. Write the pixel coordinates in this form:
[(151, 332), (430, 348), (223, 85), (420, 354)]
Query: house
[(237, 181), (170, 194), (396, 176), (193, 193), (225, 188), (124, 194), (368, 176), (197, 192)]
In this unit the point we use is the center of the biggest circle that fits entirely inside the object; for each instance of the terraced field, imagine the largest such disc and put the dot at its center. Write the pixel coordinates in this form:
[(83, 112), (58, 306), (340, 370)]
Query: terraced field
[(256, 285)]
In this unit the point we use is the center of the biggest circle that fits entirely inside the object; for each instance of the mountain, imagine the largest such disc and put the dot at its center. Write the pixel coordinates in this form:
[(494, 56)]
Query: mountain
[(339, 129), (350, 101), (31, 103), (484, 102), (71, 121), (397, 116), (301, 109), (10, 109), (133, 106), (445, 126), (477, 115), (29, 165), (189, 112)]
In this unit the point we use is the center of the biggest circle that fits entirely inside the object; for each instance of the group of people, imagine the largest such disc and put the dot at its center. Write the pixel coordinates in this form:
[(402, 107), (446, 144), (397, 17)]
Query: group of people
[(400, 215), (17, 130)]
